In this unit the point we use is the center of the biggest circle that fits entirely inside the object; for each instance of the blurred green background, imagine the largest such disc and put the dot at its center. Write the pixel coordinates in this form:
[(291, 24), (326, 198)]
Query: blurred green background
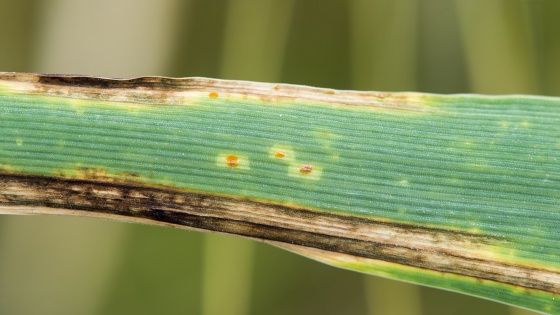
[(60, 265)]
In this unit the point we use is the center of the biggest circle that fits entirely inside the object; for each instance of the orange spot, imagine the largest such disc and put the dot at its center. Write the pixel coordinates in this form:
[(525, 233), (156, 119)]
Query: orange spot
[(280, 154), (305, 168), (213, 95), (232, 160), (277, 87), (382, 95)]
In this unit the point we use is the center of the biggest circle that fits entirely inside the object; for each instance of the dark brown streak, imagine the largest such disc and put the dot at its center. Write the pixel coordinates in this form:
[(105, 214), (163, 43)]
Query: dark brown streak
[(422, 247), (160, 90)]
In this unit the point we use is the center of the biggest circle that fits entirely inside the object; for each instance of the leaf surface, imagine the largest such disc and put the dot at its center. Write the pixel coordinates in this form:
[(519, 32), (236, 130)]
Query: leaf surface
[(459, 192)]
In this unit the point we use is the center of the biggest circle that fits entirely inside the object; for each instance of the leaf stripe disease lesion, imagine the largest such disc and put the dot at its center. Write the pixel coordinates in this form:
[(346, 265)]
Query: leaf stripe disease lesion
[(165, 90), (426, 248)]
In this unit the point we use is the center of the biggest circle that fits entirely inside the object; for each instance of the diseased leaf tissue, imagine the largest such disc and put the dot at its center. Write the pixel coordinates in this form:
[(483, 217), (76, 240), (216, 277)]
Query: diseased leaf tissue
[(459, 192)]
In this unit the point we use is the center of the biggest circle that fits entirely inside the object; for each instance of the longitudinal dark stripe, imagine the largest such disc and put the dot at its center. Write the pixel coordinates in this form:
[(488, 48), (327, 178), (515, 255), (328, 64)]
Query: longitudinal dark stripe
[(159, 90), (268, 222)]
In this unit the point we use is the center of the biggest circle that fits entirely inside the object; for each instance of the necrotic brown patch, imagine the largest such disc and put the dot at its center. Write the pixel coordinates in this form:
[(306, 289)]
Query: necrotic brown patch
[(440, 250)]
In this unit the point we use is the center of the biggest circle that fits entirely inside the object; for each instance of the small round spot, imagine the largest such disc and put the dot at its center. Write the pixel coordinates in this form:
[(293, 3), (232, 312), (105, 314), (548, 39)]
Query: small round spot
[(382, 95), (280, 154), (232, 160), (305, 168), (277, 87), (213, 95)]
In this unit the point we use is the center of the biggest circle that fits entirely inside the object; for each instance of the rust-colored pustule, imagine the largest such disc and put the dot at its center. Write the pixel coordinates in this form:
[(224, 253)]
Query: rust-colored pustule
[(280, 154), (232, 160), (213, 95), (305, 168)]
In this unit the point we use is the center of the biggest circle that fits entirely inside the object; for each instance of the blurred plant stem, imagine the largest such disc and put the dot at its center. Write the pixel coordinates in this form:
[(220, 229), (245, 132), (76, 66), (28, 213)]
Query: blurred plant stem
[(254, 46), (386, 296), (520, 311), (384, 46), (550, 46), (20, 18), (499, 46)]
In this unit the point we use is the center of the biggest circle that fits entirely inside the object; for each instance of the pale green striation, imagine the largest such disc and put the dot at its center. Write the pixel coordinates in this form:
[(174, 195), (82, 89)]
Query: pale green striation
[(478, 164)]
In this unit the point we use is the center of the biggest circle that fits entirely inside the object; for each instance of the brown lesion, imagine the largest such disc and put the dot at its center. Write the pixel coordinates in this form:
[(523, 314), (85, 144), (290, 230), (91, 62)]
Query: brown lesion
[(176, 91), (439, 250)]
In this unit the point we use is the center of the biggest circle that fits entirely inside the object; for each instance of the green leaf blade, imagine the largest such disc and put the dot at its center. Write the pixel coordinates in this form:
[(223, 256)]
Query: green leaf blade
[(479, 167)]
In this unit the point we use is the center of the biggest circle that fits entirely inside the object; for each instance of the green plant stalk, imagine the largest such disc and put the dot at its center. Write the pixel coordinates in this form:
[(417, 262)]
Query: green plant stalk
[(459, 192)]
